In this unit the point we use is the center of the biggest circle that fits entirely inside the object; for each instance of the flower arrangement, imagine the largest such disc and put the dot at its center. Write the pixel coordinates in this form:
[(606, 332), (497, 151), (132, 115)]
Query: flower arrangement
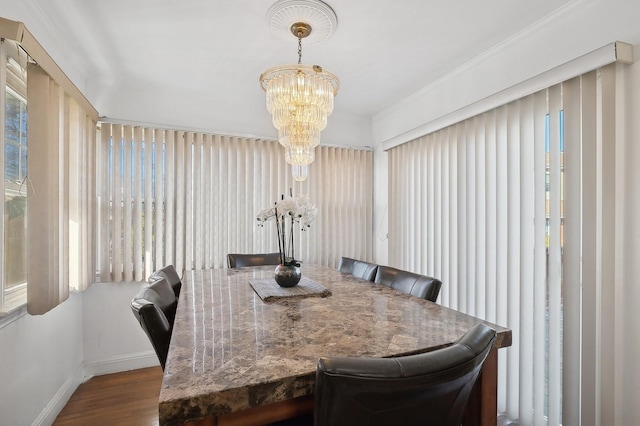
[(287, 212)]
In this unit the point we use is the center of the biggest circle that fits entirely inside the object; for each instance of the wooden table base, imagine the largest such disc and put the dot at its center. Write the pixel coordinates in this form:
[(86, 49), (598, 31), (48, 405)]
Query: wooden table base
[(482, 409), (261, 415)]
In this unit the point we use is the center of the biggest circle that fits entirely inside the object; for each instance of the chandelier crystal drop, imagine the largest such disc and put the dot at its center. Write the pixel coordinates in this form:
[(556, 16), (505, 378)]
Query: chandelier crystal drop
[(299, 98)]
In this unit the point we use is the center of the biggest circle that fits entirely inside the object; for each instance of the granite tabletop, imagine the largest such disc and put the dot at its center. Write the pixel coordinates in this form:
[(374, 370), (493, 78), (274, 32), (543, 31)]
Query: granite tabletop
[(231, 351)]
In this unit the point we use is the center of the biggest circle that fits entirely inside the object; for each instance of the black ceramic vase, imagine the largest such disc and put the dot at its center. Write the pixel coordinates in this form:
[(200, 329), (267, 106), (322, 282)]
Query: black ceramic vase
[(287, 275)]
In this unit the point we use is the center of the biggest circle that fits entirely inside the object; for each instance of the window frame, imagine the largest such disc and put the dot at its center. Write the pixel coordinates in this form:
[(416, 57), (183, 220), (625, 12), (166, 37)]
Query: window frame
[(13, 299)]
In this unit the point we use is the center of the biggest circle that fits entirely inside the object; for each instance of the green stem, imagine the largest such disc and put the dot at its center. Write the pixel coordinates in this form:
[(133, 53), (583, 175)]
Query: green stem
[(280, 241), (293, 257)]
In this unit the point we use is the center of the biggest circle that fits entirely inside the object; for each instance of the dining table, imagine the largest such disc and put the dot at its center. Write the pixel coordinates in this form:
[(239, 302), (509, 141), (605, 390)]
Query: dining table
[(238, 357)]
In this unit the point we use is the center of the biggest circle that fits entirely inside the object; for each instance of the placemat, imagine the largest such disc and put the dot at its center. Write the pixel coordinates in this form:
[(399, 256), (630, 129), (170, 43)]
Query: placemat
[(269, 290)]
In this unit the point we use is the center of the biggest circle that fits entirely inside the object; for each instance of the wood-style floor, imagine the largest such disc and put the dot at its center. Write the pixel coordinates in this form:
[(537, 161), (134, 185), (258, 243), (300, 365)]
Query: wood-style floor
[(128, 398)]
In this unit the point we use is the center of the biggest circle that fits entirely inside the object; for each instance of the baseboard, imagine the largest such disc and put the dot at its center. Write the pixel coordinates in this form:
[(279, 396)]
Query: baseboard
[(120, 363), (48, 415), (84, 372)]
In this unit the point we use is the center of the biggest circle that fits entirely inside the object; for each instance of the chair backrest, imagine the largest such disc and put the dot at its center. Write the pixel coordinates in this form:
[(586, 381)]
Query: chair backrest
[(358, 268), (235, 260), (432, 388), (169, 272), (155, 309), (417, 285)]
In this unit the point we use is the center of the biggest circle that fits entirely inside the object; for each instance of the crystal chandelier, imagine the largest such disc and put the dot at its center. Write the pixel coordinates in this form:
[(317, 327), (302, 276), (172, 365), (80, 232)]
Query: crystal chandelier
[(299, 98)]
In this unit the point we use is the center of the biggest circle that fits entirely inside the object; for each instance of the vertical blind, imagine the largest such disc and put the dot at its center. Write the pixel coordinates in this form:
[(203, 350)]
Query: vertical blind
[(188, 199), (61, 193), (510, 209)]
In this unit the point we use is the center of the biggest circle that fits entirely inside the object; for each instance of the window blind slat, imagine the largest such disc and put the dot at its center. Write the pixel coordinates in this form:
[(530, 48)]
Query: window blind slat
[(148, 198), (589, 352), (606, 313), (471, 218), (502, 246), (118, 163), (188, 176), (480, 218), (462, 224), (207, 202), (555, 263), (491, 214), (438, 183), (170, 200), (136, 194), (512, 367), (127, 203), (182, 187), (453, 219), (447, 213), (571, 299), (540, 257), (103, 159), (199, 201), (70, 199), (160, 202), (527, 246)]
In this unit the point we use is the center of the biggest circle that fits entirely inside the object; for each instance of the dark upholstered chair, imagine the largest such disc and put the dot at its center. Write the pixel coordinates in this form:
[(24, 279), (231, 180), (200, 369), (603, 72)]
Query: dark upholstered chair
[(169, 272), (358, 268), (407, 282), (241, 260), (432, 388), (155, 309)]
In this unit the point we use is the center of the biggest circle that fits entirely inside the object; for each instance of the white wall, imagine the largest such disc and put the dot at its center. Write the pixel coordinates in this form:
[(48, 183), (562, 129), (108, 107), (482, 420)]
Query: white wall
[(44, 358), (112, 338), (41, 364), (575, 30)]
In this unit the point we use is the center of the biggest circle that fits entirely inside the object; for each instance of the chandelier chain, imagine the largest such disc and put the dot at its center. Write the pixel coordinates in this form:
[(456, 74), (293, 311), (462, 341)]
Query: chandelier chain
[(299, 47)]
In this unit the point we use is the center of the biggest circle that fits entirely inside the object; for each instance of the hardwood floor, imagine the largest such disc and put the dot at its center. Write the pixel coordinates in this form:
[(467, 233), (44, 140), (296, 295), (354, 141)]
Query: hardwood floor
[(128, 398)]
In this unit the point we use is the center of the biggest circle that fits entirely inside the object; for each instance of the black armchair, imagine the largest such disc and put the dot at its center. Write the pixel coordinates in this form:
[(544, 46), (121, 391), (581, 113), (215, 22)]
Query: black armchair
[(169, 272), (432, 388), (417, 285), (358, 268), (235, 260), (155, 309)]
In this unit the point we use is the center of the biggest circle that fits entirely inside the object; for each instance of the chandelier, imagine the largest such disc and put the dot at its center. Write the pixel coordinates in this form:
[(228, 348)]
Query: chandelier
[(300, 97)]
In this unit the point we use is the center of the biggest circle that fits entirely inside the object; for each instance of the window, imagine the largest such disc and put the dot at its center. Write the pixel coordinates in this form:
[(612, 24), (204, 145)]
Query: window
[(54, 119), (516, 227), (14, 166), (187, 199)]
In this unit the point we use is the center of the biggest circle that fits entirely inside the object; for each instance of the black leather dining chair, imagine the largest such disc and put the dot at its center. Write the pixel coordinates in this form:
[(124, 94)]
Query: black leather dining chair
[(169, 272), (358, 268), (432, 388), (235, 260), (155, 309), (417, 285)]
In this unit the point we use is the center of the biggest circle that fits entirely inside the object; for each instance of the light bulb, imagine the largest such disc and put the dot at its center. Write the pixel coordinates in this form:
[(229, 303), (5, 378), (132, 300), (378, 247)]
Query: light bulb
[(299, 172)]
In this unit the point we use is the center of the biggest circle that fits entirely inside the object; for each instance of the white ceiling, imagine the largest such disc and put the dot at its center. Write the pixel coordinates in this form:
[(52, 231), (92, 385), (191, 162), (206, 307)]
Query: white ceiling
[(382, 50), (207, 55)]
